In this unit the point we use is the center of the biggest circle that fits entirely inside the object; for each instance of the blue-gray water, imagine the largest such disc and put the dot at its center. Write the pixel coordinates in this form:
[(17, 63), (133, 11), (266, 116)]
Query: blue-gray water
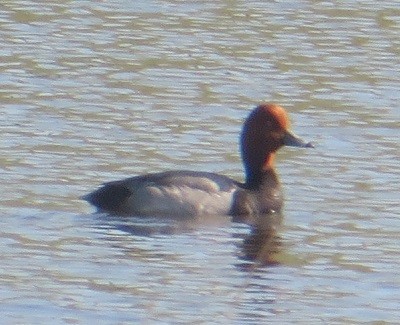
[(96, 91)]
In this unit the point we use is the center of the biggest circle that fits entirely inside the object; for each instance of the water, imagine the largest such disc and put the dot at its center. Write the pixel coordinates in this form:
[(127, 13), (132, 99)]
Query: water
[(97, 91)]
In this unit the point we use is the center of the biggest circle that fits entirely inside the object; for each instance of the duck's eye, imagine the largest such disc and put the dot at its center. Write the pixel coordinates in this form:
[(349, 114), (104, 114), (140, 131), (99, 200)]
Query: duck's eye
[(276, 135)]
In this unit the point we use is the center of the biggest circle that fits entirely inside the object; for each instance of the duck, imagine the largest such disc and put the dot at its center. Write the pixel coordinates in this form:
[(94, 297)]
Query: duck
[(185, 193)]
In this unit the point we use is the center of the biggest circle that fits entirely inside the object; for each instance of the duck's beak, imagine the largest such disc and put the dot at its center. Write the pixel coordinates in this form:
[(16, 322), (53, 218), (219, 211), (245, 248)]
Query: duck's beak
[(294, 141)]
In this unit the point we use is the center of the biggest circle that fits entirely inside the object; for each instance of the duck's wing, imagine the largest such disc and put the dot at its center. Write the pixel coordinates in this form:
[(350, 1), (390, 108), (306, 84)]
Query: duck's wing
[(171, 193)]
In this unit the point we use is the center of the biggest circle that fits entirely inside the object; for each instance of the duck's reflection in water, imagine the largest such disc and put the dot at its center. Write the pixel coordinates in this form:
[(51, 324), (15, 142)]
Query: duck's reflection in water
[(263, 244), (259, 242)]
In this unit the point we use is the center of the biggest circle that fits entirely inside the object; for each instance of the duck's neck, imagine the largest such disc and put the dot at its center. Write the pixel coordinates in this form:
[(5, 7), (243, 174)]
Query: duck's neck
[(259, 174)]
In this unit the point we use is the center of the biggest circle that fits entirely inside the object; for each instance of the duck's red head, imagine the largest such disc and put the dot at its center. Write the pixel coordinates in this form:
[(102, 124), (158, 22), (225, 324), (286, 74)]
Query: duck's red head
[(264, 132)]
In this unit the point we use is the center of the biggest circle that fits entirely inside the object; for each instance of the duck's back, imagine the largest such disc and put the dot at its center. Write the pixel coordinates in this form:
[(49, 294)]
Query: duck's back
[(173, 193)]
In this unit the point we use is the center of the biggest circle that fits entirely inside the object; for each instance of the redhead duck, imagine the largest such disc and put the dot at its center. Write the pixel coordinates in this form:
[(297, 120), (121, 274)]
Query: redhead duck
[(191, 193)]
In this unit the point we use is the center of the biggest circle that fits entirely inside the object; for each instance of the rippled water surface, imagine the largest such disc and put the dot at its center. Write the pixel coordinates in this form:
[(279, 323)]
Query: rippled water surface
[(93, 91)]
